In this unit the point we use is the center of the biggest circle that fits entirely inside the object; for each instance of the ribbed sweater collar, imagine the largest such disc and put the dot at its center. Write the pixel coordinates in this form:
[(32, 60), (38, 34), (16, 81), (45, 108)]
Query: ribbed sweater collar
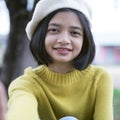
[(42, 72)]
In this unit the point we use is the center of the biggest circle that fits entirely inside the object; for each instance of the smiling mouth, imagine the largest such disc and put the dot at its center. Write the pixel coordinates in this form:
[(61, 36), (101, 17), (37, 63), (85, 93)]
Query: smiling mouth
[(63, 51)]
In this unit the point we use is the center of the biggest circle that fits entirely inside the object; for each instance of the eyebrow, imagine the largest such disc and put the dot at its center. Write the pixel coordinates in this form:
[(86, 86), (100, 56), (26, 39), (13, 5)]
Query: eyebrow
[(72, 27)]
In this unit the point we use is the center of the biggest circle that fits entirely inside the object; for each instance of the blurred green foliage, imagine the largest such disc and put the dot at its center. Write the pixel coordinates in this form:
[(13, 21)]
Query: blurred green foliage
[(116, 104)]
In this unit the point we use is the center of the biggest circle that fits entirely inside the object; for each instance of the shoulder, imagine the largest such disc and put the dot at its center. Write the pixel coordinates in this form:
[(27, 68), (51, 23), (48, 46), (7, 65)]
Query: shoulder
[(98, 70), (97, 73), (100, 75), (27, 81)]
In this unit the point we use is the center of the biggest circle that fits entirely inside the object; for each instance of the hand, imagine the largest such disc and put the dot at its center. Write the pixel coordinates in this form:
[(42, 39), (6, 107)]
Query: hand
[(3, 102)]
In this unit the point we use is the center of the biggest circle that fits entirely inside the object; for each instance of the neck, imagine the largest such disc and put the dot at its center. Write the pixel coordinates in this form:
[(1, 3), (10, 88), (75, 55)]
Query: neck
[(60, 68)]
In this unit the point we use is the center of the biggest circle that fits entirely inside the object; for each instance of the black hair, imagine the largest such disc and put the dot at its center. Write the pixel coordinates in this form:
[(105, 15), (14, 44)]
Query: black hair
[(37, 44)]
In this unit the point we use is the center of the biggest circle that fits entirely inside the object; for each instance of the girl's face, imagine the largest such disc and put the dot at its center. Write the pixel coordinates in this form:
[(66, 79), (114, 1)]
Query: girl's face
[(64, 37)]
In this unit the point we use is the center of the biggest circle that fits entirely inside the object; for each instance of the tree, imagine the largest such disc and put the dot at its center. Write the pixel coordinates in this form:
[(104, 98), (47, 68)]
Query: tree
[(17, 55)]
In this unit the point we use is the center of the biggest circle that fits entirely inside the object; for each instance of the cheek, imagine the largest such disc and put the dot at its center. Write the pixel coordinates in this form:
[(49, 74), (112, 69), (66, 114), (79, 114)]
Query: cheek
[(47, 42), (48, 45), (79, 45)]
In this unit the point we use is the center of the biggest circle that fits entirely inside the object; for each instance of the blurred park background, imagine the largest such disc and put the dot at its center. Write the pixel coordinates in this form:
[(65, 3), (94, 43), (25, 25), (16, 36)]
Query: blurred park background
[(14, 45)]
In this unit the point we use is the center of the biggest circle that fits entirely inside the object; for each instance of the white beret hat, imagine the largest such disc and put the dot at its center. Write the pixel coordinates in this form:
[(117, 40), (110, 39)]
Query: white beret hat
[(45, 7)]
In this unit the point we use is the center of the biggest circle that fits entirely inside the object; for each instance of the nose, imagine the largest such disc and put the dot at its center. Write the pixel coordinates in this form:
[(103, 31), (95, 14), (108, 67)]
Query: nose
[(64, 38)]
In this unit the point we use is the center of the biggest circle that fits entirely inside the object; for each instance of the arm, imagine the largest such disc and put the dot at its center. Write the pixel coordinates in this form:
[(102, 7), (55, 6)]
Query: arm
[(3, 102), (22, 104), (104, 98)]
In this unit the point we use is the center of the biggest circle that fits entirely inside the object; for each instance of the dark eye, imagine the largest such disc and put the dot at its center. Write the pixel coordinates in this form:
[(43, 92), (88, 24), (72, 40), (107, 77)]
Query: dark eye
[(75, 33), (53, 30)]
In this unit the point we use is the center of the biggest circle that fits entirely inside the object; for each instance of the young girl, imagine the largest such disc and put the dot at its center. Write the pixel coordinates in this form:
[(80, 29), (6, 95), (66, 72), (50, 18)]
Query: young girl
[(65, 83)]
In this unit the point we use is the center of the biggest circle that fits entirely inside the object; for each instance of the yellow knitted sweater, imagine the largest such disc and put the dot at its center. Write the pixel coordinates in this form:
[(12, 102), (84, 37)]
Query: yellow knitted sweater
[(40, 93)]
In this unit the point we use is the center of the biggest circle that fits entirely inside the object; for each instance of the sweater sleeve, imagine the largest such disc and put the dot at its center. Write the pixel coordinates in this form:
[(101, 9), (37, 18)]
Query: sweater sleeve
[(104, 97), (22, 104)]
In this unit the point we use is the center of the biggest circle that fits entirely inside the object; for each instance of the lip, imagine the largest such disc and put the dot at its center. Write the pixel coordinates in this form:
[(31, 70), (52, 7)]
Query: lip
[(63, 51), (62, 48)]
